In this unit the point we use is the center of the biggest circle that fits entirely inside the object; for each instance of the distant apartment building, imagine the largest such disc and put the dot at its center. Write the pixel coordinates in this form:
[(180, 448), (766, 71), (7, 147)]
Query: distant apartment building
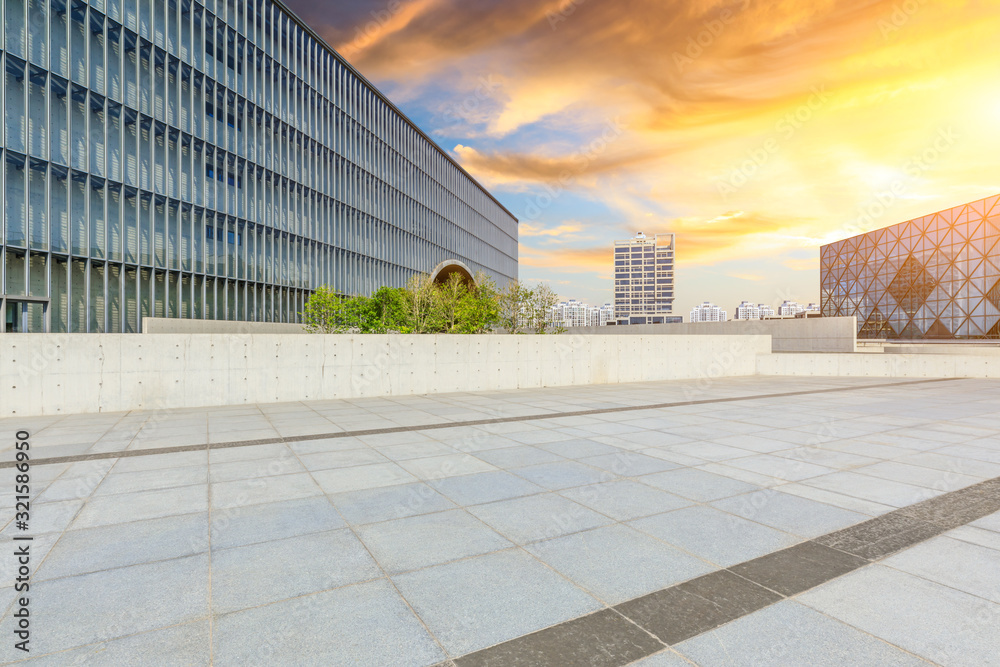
[(937, 276), (606, 315), (793, 308), (750, 311), (570, 313), (575, 313), (747, 311), (644, 280), (708, 312)]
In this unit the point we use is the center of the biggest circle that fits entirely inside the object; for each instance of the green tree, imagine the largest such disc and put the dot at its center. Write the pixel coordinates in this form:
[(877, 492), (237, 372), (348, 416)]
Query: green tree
[(542, 300), (514, 301), (450, 296), (391, 312), (329, 312), (478, 311), (423, 305)]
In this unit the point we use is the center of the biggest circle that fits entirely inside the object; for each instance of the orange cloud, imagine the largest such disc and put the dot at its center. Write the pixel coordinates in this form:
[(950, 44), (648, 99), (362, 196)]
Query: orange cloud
[(528, 229), (811, 264), (801, 114), (730, 236), (569, 259)]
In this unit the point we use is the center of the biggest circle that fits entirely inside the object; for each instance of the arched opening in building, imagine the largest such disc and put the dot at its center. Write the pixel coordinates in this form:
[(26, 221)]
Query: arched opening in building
[(443, 271)]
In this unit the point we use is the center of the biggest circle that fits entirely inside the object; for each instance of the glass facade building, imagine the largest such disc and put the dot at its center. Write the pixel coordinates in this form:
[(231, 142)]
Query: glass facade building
[(644, 280), (210, 159), (935, 277)]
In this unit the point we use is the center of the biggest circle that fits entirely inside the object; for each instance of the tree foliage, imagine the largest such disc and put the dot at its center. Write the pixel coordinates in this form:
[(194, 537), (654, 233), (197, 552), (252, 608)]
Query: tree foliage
[(421, 307)]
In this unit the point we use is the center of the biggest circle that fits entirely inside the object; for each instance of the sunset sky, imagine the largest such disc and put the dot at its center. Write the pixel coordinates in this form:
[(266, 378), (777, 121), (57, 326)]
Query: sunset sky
[(755, 130)]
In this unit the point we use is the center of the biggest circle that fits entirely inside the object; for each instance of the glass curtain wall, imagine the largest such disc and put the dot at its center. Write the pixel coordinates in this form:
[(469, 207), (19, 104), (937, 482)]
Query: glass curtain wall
[(215, 160), (935, 277)]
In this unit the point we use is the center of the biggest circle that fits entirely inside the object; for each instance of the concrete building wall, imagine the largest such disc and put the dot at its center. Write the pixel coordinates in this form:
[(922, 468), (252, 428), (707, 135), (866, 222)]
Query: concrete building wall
[(820, 334), (85, 373), (881, 365)]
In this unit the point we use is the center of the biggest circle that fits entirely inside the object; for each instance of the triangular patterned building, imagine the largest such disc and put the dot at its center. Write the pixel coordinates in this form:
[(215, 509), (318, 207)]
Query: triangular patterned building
[(935, 277)]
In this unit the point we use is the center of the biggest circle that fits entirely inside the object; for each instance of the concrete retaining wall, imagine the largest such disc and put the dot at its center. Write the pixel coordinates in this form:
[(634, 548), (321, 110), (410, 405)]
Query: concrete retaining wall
[(881, 365), (82, 373), (975, 348), (814, 334), (810, 334)]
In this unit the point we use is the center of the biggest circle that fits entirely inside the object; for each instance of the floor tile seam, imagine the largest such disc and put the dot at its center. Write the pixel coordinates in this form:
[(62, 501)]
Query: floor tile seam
[(781, 596), (591, 594), (125, 523), (208, 537), (124, 566), (777, 489), (374, 560), (961, 456), (978, 544), (63, 531), (695, 501), (108, 641), (32, 501), (989, 602), (110, 468), (863, 631), (188, 468), (219, 615), (443, 425), (102, 496), (671, 650), (920, 485), (935, 451), (457, 506), (805, 482), (708, 505), (625, 524), (510, 546), (428, 482)]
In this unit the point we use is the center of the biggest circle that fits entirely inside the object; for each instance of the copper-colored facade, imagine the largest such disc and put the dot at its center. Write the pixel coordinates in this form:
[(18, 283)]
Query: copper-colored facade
[(935, 277)]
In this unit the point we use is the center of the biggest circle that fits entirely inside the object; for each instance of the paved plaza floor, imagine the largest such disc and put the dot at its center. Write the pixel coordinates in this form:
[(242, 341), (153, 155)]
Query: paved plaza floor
[(741, 521)]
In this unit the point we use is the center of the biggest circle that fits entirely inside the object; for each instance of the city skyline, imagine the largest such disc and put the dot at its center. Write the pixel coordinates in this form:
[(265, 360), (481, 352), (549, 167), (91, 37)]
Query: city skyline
[(753, 132)]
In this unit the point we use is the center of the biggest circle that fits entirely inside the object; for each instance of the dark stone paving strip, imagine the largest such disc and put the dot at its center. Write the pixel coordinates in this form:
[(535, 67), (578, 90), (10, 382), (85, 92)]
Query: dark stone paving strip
[(693, 607), (680, 612), (881, 537), (799, 568), (97, 456), (602, 639)]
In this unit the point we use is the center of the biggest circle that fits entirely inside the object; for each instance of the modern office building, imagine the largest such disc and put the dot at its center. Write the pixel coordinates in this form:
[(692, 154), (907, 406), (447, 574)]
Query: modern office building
[(766, 311), (932, 277), (211, 159), (644, 280), (708, 312)]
